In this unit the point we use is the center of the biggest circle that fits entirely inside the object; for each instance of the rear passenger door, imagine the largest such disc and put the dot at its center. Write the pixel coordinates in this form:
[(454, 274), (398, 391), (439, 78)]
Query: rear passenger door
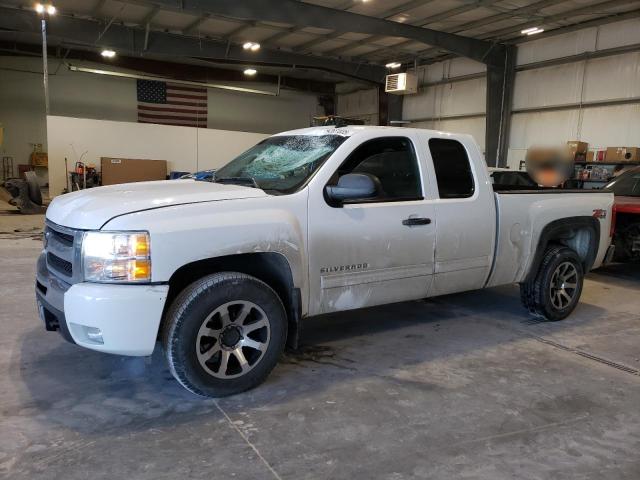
[(465, 217)]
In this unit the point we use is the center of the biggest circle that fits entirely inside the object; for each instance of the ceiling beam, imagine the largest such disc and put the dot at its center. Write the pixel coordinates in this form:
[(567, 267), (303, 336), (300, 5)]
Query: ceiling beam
[(282, 34), (540, 21), (596, 22), (193, 26), (293, 12), (421, 23), (151, 15), (522, 11), (612, 18), (97, 10), (387, 14), (23, 26), (598, 8)]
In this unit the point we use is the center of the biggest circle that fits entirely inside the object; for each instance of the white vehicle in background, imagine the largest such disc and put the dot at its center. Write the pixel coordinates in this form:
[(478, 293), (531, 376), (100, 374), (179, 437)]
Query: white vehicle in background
[(306, 222)]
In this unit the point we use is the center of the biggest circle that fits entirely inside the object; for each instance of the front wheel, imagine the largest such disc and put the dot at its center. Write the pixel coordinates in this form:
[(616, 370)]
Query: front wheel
[(224, 334), (555, 290)]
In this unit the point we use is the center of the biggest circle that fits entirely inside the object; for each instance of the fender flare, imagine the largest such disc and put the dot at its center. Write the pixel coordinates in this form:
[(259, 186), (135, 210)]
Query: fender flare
[(556, 230)]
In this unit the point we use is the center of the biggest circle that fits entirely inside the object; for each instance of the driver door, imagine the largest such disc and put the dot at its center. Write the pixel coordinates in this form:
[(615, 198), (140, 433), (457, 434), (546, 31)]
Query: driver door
[(378, 250)]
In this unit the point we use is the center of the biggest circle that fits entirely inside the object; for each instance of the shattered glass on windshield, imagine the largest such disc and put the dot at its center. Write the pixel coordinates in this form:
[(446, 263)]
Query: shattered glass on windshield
[(282, 163)]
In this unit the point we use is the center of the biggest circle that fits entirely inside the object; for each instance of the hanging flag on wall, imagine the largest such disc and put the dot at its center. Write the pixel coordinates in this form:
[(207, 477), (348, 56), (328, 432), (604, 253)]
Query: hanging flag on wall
[(171, 104)]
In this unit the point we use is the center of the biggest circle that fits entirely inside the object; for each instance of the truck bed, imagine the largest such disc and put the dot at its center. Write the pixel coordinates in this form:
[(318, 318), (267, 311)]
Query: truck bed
[(517, 189), (523, 214)]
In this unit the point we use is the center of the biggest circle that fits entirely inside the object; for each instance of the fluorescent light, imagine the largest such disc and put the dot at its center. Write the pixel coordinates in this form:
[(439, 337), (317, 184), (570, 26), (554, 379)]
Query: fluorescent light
[(108, 53), (532, 31), (51, 10), (250, 71), (253, 46), (39, 8), (393, 65)]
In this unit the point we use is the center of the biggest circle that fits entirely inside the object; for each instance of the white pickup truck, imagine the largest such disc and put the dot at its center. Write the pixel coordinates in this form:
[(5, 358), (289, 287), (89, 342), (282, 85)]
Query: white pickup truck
[(307, 222)]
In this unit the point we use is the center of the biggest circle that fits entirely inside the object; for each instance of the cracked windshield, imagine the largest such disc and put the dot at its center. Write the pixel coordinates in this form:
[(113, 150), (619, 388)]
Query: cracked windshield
[(281, 163)]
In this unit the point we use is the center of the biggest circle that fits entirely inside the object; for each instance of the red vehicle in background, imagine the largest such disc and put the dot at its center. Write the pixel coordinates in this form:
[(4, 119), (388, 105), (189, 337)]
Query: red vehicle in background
[(626, 188)]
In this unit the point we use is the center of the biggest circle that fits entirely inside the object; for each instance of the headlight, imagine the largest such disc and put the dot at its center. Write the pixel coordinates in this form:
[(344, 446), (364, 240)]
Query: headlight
[(116, 257)]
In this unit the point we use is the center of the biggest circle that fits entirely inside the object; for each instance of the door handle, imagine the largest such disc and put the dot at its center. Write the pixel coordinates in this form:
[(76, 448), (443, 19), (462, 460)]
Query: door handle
[(414, 221)]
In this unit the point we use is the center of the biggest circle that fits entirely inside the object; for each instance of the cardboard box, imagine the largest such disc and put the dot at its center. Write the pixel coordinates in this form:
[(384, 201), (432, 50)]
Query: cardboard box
[(590, 156), (125, 170), (39, 159), (578, 147), (623, 154), (578, 150)]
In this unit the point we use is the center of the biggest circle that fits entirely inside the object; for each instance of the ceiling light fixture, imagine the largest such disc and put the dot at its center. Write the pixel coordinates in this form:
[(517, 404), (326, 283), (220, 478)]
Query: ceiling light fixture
[(250, 72), (532, 31), (393, 65), (253, 46), (106, 53), (48, 9)]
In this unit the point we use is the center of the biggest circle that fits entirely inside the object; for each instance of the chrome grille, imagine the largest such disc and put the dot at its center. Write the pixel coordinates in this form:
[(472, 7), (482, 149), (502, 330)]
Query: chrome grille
[(62, 246), (64, 238), (60, 265)]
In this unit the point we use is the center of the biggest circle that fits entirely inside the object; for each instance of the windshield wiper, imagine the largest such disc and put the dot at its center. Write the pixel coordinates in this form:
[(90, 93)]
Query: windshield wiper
[(247, 181)]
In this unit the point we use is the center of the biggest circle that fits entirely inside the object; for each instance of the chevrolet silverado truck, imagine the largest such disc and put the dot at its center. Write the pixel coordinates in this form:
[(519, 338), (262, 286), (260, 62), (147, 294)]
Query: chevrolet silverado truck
[(222, 272)]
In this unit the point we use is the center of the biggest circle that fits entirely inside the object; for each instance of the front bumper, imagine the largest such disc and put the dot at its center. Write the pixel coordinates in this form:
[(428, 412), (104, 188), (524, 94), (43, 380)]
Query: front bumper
[(120, 319)]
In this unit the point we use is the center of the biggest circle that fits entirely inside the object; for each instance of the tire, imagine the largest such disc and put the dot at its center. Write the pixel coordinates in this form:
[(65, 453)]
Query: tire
[(223, 334), (553, 293), (35, 194)]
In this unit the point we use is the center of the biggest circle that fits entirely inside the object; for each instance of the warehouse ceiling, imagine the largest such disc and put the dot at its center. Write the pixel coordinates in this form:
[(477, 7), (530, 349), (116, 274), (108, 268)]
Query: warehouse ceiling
[(355, 38)]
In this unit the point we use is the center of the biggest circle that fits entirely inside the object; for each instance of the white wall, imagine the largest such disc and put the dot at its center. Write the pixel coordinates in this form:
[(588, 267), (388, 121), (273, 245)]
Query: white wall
[(607, 78), (361, 104), (184, 148), (75, 94)]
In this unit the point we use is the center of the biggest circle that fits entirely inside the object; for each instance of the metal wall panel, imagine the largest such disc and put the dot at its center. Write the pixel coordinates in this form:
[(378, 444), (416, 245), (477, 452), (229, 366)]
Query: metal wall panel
[(458, 98), (557, 46), (619, 34), (601, 127), (612, 77), (361, 104), (471, 126), (556, 85)]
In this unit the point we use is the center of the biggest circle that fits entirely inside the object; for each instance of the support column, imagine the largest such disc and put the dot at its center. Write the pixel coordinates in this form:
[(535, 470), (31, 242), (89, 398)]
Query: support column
[(500, 80), (389, 107)]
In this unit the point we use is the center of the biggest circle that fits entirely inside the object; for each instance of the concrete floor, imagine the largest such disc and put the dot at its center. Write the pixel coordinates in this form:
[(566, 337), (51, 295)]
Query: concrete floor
[(464, 386)]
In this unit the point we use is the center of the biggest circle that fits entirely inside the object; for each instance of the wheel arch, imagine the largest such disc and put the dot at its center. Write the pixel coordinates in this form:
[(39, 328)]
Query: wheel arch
[(270, 267), (581, 234)]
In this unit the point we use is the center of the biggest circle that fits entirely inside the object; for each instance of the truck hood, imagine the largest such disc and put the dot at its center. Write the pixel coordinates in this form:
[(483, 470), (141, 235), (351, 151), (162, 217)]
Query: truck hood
[(91, 209)]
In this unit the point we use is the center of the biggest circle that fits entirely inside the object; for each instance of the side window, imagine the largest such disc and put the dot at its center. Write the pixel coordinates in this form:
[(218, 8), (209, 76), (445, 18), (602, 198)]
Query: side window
[(391, 162), (453, 171)]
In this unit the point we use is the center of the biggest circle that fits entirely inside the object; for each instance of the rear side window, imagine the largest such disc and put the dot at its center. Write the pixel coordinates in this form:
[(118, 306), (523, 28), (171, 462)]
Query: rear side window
[(453, 171)]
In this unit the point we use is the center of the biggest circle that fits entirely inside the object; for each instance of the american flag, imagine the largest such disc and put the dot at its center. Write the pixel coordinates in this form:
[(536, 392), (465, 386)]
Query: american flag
[(171, 104)]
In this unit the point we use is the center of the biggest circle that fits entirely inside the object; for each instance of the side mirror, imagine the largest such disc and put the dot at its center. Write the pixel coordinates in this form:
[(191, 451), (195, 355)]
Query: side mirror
[(352, 186)]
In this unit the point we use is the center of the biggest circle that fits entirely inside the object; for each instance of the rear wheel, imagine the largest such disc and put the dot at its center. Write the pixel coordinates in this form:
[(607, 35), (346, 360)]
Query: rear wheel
[(554, 292), (224, 334)]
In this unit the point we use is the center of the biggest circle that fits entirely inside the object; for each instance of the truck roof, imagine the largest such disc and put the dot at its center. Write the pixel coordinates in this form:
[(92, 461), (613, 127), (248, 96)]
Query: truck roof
[(349, 130)]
